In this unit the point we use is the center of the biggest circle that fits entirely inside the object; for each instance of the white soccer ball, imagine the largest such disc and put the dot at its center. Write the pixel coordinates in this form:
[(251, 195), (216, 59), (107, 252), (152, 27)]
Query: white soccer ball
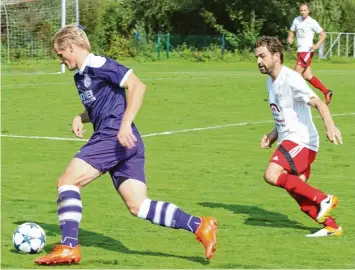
[(29, 238)]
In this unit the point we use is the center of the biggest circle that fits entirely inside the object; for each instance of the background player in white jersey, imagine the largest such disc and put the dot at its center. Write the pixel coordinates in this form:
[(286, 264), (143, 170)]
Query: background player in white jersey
[(304, 27), (290, 99), (115, 147)]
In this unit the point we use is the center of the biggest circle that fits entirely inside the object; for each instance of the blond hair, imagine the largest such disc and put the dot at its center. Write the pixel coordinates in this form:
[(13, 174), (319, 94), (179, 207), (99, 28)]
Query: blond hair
[(70, 34)]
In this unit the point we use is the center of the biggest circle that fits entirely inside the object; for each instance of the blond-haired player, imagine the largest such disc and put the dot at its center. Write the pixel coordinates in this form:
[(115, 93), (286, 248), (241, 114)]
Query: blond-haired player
[(290, 99), (115, 147), (304, 27)]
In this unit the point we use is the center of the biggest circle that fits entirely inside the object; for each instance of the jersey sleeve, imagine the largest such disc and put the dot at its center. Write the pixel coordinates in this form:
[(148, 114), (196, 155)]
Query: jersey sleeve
[(114, 72), (301, 90), (293, 26), (316, 27)]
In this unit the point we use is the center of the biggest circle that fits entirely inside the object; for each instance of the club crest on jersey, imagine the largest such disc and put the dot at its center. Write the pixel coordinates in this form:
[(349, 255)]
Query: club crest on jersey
[(87, 81), (278, 96)]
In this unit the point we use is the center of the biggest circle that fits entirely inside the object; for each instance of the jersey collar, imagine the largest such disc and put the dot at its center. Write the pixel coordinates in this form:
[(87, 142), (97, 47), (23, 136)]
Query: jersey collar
[(86, 62)]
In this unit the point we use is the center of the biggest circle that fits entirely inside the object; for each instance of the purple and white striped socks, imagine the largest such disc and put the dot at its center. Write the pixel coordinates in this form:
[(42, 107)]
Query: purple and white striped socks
[(168, 215), (69, 213)]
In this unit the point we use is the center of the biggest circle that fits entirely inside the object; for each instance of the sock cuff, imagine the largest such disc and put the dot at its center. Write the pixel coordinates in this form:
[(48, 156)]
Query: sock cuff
[(68, 187), (313, 78), (281, 181), (144, 208)]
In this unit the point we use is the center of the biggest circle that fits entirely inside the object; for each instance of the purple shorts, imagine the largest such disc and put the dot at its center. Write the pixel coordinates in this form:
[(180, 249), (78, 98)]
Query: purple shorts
[(106, 154)]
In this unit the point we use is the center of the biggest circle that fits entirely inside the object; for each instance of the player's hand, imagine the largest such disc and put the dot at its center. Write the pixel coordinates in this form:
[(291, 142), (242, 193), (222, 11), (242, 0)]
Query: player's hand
[(126, 137), (265, 142), (334, 135), (314, 48), (290, 41), (77, 127)]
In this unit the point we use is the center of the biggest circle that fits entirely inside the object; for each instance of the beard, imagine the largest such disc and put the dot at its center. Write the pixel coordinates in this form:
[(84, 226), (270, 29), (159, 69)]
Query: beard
[(263, 69)]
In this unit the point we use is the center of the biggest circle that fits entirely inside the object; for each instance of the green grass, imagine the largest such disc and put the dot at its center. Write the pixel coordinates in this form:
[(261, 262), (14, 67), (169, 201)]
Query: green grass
[(214, 172)]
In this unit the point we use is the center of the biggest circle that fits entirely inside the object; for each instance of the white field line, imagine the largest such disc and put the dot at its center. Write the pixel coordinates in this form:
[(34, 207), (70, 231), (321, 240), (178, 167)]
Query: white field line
[(162, 133), (143, 79), (33, 84), (177, 72), (71, 83), (234, 74), (31, 73)]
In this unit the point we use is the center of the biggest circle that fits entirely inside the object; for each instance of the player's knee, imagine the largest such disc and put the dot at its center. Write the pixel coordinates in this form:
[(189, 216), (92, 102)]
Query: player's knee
[(78, 173), (307, 76), (299, 69), (271, 177), (133, 208), (138, 204), (67, 179)]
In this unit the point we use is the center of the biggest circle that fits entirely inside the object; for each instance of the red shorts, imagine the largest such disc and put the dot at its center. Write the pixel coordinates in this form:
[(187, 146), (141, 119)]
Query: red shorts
[(304, 59), (294, 158)]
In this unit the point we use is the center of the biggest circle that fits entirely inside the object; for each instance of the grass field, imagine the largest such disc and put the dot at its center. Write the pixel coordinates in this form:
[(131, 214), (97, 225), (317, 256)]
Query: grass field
[(215, 171)]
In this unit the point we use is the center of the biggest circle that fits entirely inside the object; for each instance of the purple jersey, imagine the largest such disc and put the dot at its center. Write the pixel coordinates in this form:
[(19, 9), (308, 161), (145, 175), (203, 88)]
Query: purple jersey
[(100, 84)]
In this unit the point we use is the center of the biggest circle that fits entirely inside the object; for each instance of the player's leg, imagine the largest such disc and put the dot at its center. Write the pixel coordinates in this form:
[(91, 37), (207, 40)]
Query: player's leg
[(310, 208), (94, 158), (330, 227), (77, 174), (274, 175), (303, 160), (129, 180), (283, 159), (304, 61), (134, 194), (299, 69), (316, 83), (307, 206), (300, 66)]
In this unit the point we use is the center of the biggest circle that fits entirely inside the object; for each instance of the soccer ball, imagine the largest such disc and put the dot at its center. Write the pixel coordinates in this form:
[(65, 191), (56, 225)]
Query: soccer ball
[(29, 238)]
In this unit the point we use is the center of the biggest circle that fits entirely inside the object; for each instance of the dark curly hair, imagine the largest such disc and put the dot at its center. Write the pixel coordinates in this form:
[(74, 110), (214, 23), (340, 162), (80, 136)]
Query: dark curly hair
[(272, 44)]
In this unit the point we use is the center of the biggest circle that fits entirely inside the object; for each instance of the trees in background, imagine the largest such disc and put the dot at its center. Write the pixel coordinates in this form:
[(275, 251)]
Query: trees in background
[(111, 24)]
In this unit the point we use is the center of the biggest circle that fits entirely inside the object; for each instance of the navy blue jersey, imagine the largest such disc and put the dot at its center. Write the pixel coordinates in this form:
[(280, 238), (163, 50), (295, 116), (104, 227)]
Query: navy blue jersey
[(100, 86)]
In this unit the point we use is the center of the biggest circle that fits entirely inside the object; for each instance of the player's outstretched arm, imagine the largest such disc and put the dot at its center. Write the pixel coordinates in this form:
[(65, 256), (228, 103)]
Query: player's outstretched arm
[(322, 36), (136, 90), (268, 139), (290, 37), (332, 132)]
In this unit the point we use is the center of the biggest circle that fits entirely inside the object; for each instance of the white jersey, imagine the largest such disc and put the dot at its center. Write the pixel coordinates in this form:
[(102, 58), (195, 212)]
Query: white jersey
[(305, 30), (289, 95)]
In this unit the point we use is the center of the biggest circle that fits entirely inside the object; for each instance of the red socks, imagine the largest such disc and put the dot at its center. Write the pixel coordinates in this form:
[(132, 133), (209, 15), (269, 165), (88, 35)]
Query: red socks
[(330, 222), (294, 184), (311, 209), (317, 84)]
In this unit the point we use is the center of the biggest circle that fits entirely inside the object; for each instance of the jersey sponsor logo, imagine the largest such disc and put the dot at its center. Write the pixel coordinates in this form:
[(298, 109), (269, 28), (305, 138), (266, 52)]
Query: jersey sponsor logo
[(300, 33), (87, 97), (274, 107), (87, 81), (278, 116)]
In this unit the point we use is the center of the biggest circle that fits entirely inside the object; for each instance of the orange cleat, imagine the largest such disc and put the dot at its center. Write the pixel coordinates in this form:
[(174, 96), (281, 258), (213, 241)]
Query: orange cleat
[(206, 234), (328, 97), (61, 255)]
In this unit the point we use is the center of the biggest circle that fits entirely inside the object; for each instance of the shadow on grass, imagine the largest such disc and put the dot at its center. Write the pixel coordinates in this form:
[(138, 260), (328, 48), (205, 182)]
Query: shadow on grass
[(93, 239), (259, 216)]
